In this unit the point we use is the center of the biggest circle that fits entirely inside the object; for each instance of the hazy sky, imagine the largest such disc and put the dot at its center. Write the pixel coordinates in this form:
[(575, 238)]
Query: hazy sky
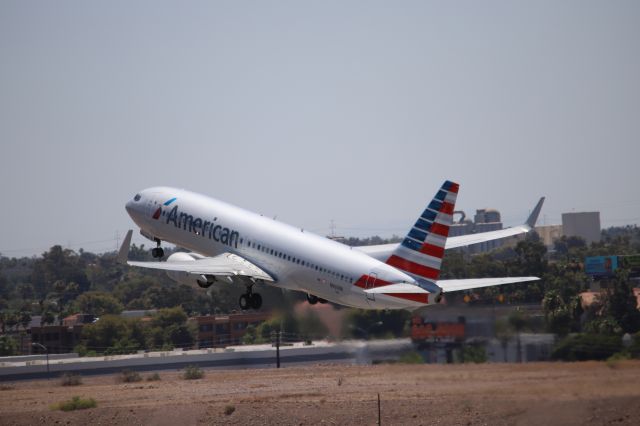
[(354, 111)]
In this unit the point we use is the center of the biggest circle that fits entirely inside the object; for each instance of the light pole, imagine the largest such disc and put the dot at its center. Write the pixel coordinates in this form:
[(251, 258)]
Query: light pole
[(41, 346)]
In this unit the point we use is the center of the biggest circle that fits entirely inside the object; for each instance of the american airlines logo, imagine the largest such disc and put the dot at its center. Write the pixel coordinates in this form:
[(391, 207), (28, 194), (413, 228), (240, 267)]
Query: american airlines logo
[(199, 226)]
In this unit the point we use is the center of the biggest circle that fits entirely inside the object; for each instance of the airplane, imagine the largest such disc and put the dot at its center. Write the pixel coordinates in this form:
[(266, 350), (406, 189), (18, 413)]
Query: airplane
[(231, 244)]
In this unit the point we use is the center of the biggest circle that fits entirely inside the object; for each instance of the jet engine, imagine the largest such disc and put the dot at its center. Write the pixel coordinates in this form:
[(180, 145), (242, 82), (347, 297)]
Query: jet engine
[(203, 281)]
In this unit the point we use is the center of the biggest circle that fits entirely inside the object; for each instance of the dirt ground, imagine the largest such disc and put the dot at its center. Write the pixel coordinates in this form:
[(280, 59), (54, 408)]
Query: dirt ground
[(486, 394)]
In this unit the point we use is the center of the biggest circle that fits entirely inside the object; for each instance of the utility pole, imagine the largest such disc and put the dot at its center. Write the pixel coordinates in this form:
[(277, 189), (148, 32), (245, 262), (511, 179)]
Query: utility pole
[(278, 334)]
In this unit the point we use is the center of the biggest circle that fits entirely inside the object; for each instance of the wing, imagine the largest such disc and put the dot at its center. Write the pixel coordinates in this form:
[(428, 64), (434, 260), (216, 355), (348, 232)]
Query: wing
[(383, 251), (468, 284), (465, 240), (448, 285), (226, 264)]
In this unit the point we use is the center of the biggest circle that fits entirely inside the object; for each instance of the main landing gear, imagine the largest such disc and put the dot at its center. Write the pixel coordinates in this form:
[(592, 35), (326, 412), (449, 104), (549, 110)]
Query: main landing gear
[(157, 252), (314, 299), (250, 300)]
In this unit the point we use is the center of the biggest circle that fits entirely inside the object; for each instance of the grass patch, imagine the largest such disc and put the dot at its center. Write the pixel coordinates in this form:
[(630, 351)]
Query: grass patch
[(193, 372), (70, 379), (229, 409), (614, 360), (153, 377), (411, 357), (129, 376), (75, 403)]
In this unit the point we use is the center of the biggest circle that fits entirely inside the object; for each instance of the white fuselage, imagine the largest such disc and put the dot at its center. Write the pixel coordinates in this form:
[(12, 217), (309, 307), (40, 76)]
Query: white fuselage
[(296, 259)]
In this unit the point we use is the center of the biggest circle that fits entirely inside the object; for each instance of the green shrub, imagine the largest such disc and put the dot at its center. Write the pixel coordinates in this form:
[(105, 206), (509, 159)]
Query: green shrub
[(193, 372), (614, 360), (153, 377), (229, 409), (70, 379), (411, 357), (129, 376), (75, 403), (474, 353), (584, 347)]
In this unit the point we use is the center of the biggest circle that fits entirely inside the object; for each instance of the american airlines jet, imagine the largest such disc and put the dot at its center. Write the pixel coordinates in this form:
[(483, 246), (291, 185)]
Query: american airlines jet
[(230, 244)]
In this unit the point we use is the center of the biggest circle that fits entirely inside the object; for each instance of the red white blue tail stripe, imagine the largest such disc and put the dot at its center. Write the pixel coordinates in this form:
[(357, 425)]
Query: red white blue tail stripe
[(421, 252)]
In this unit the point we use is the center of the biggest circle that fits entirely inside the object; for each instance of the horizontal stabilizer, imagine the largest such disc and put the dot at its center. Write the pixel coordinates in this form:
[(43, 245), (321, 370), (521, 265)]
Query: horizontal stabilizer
[(468, 284), (403, 288)]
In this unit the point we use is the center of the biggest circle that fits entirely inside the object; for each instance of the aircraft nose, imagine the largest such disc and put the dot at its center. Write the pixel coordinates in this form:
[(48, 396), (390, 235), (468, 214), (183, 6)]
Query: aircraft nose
[(129, 207)]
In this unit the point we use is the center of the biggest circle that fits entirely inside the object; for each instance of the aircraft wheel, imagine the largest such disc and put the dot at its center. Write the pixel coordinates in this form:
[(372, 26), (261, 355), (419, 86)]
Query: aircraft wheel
[(312, 299), (256, 301), (323, 301), (244, 302), (157, 253), (205, 284)]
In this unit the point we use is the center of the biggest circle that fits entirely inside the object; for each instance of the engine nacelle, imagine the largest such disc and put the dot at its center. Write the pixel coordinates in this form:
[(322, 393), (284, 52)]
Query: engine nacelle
[(184, 277)]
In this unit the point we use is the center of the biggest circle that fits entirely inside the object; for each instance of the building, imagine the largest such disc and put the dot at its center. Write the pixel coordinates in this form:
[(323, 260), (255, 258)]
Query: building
[(59, 339), (485, 220), (225, 330), (585, 225), (549, 234)]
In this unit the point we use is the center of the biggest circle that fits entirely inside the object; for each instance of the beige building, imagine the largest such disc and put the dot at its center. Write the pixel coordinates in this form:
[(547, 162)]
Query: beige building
[(549, 233), (585, 225)]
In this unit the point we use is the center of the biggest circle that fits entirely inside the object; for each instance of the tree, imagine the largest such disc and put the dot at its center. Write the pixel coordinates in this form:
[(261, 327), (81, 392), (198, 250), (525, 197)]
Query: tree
[(562, 316), (311, 327), (504, 333), (98, 303), (10, 319), (25, 319), (250, 335), (621, 303), (169, 316), (565, 245), (531, 257), (58, 264), (47, 317), (169, 328), (8, 346), (111, 332)]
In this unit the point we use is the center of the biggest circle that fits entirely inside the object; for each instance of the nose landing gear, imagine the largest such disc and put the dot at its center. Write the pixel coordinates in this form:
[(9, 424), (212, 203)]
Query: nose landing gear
[(157, 252)]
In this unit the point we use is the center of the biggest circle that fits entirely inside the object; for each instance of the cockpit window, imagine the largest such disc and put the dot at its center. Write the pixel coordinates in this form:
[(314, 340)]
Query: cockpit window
[(137, 197)]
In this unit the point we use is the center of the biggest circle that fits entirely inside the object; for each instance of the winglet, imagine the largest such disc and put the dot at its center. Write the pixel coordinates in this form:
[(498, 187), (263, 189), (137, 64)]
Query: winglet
[(123, 253), (533, 217)]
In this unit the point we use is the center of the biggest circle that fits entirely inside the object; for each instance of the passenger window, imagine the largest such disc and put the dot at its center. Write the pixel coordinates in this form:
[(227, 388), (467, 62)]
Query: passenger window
[(137, 197), (258, 246)]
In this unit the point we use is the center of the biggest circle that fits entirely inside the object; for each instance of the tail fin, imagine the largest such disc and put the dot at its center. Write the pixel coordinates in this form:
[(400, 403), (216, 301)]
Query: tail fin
[(421, 252)]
